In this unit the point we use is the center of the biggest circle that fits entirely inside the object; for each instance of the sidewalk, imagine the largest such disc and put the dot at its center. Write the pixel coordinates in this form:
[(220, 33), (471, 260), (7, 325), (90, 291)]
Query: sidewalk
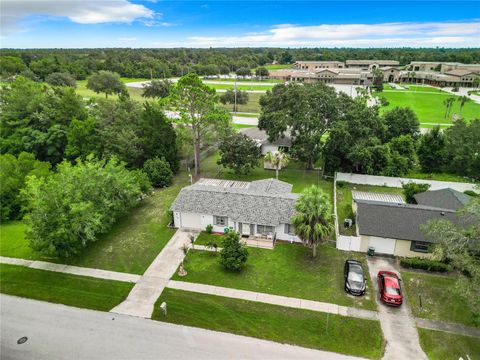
[(274, 299), (145, 293), (68, 269), (448, 327)]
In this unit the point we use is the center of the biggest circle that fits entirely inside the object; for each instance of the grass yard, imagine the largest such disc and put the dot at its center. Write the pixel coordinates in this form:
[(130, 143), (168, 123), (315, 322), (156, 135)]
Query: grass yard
[(73, 290), (440, 345), (417, 174), (278, 66), (267, 86), (429, 107), (288, 270), (252, 105), (271, 322), (135, 93), (293, 174), (439, 300), (242, 126), (130, 246), (344, 202)]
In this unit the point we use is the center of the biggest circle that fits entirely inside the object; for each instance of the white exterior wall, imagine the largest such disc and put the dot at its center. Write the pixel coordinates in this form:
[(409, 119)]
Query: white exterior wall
[(269, 147), (280, 232)]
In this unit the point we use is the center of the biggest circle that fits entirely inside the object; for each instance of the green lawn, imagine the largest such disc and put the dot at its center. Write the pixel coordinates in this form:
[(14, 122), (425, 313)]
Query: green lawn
[(281, 324), (252, 105), (129, 80), (439, 345), (135, 93), (273, 81), (293, 174), (242, 126), (267, 86), (287, 270), (130, 246), (344, 202), (439, 300), (429, 107), (278, 66), (417, 174), (73, 290)]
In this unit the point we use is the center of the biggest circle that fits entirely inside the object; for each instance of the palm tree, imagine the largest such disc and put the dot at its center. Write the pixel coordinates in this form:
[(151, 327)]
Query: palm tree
[(463, 99), (448, 104), (313, 221), (278, 159)]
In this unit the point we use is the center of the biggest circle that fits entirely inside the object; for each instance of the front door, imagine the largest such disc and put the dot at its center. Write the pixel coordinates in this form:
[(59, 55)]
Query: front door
[(240, 228), (252, 229)]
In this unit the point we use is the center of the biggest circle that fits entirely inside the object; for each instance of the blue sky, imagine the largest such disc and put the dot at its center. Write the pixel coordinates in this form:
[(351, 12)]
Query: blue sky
[(129, 23)]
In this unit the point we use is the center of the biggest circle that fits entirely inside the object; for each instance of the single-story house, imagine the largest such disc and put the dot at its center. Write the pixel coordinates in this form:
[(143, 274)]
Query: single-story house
[(260, 209), (396, 228), (443, 198), (261, 137)]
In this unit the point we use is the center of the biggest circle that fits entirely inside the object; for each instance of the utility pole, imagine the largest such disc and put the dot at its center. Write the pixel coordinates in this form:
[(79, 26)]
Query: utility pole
[(235, 90)]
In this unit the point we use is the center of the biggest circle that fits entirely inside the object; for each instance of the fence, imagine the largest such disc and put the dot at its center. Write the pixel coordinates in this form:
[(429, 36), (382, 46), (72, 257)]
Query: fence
[(398, 182)]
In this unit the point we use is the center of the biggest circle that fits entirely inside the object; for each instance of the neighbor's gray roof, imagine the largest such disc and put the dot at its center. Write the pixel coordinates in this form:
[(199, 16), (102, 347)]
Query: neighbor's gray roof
[(397, 221), (372, 196), (443, 198), (261, 136), (265, 202)]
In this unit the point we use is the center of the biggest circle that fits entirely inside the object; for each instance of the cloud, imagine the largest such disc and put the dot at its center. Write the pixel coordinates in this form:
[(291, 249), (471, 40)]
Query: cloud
[(452, 34), (78, 11)]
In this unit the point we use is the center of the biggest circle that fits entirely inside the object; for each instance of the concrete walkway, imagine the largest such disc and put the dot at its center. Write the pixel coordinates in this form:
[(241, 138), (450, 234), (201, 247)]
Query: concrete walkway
[(448, 327), (68, 269), (274, 299), (397, 324), (145, 293)]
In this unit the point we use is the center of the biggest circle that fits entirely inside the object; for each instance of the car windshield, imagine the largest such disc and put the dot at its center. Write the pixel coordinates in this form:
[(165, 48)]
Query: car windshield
[(392, 291), (356, 275)]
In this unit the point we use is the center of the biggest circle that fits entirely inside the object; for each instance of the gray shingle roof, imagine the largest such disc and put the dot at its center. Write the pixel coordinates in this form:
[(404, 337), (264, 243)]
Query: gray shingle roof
[(261, 136), (264, 202), (397, 221), (443, 198)]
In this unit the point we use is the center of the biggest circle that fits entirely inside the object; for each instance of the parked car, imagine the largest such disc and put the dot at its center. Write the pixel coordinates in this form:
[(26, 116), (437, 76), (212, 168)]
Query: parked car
[(389, 288), (355, 282)]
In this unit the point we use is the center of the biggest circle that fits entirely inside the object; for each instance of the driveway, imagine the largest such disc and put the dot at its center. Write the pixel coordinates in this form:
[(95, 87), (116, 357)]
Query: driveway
[(398, 324), (62, 332)]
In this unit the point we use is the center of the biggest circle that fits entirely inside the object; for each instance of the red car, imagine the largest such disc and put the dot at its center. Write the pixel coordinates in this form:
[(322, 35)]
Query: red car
[(389, 288)]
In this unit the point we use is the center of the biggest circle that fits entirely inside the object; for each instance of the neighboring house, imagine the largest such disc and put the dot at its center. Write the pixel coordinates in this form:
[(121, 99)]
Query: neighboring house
[(257, 209), (395, 228), (261, 137), (443, 198)]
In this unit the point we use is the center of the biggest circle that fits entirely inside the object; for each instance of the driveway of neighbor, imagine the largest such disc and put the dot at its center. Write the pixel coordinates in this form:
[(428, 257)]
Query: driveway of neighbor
[(398, 324), (146, 291), (62, 332)]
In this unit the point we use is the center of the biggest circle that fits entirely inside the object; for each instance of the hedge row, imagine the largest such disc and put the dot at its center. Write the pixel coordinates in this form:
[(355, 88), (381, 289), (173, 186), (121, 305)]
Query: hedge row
[(425, 264)]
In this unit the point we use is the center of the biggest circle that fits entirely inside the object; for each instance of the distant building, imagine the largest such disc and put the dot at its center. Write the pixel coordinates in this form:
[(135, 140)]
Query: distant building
[(326, 75), (370, 64), (312, 65)]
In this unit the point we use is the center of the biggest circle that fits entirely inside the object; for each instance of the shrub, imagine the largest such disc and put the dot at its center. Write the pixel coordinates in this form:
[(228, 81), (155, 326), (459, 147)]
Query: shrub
[(233, 255), (209, 229), (341, 184), (170, 217), (159, 172), (425, 264), (471, 193), (410, 189)]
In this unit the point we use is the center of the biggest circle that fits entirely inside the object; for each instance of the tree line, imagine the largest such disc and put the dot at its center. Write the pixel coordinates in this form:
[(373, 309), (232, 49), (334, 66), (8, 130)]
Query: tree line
[(163, 63)]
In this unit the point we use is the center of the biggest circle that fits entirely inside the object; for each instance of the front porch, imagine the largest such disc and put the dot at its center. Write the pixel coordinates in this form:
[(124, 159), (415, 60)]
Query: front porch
[(260, 241)]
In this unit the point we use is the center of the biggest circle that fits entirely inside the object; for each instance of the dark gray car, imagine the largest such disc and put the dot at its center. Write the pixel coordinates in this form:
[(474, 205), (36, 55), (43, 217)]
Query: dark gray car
[(355, 281)]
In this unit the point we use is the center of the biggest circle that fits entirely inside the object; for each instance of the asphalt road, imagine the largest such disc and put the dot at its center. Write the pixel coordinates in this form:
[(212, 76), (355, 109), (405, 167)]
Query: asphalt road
[(62, 332)]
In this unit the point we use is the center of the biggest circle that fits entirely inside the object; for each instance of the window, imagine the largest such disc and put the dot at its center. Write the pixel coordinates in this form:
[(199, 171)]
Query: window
[(420, 246), (265, 229), (289, 229), (220, 220)]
